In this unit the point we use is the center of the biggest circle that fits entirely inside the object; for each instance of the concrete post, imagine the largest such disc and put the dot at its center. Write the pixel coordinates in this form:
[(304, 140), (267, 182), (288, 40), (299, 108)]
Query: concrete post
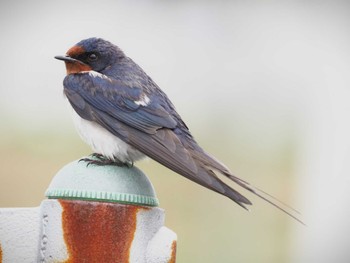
[(92, 214)]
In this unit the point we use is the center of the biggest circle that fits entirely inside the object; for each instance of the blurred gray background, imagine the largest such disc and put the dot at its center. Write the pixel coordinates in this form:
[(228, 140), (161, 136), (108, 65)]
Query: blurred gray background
[(263, 86)]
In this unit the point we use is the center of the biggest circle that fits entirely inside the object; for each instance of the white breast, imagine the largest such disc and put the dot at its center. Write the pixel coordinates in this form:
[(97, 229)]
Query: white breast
[(104, 142)]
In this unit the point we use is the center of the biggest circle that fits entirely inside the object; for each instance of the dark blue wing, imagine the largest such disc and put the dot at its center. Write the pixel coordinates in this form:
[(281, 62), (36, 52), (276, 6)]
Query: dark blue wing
[(130, 105)]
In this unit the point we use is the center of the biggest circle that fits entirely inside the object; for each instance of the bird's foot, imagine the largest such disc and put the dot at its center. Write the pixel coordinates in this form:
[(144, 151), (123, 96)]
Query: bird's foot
[(100, 160)]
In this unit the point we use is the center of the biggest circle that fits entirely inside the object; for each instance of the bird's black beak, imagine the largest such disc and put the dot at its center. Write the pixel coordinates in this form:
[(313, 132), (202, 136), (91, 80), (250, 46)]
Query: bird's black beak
[(73, 65), (67, 58)]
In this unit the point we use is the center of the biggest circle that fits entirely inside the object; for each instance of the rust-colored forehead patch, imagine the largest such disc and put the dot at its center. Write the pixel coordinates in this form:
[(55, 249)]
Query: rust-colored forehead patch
[(98, 232), (75, 51)]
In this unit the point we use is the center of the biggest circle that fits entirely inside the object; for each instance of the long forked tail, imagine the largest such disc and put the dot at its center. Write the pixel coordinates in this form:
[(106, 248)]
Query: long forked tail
[(265, 196), (211, 163)]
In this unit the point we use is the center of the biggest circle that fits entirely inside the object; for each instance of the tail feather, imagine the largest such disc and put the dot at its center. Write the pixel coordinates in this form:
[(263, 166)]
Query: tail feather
[(266, 197), (210, 161), (227, 190)]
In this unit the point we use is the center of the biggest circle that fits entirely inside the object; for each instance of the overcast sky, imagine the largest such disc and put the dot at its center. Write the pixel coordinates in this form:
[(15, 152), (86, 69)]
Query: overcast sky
[(222, 57)]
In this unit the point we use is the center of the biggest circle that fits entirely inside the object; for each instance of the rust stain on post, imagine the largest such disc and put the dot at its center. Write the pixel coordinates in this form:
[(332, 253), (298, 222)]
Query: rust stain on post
[(0, 254), (173, 253), (98, 232)]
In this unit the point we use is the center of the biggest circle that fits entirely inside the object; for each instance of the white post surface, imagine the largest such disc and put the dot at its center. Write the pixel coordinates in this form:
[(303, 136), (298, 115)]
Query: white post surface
[(19, 234)]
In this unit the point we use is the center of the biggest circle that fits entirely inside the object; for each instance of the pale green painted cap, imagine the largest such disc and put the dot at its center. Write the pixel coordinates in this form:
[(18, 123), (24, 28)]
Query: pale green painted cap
[(109, 183)]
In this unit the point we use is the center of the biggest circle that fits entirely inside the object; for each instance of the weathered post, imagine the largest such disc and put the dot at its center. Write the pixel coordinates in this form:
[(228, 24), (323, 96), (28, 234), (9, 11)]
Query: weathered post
[(92, 214)]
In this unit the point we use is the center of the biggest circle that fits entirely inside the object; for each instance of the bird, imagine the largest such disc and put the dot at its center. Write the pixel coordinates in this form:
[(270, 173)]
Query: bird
[(124, 116)]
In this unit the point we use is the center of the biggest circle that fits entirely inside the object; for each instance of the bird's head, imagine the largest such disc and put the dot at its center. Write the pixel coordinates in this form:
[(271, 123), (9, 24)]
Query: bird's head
[(91, 54)]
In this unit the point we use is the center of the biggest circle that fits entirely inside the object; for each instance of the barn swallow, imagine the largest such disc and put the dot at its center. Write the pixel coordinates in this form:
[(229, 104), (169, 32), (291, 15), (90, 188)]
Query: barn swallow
[(124, 116)]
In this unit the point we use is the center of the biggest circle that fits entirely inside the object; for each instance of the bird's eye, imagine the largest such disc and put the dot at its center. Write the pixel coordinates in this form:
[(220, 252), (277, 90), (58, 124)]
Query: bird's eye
[(92, 57)]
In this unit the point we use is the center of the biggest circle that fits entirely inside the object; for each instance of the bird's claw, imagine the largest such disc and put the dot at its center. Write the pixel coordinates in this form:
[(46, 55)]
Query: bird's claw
[(100, 160)]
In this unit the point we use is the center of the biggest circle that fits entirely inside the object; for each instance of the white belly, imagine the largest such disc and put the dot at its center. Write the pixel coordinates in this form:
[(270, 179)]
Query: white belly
[(104, 142)]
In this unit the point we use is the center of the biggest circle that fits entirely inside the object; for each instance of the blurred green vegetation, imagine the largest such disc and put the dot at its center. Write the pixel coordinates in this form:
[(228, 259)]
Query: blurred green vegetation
[(210, 227)]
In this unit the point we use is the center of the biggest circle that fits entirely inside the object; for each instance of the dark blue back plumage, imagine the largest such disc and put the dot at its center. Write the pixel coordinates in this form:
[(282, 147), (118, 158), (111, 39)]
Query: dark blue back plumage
[(120, 102)]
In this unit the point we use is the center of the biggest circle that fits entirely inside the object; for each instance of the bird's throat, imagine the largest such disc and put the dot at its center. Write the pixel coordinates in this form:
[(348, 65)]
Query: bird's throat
[(76, 67)]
